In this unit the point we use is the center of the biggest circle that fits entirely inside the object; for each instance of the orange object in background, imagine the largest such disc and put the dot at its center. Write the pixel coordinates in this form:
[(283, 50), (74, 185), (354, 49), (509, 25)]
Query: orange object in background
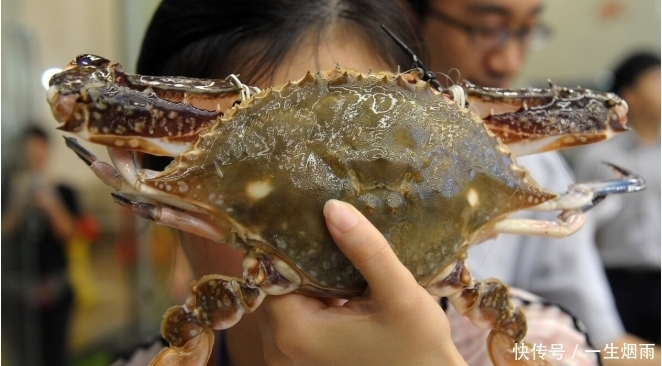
[(80, 268), (88, 227)]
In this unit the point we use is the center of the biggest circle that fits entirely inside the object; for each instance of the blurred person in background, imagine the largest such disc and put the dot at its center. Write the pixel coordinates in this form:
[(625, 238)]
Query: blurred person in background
[(628, 229), (39, 218), (486, 42)]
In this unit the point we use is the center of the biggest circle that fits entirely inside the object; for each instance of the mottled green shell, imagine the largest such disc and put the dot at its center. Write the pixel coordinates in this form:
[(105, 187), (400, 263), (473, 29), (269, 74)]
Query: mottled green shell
[(426, 172)]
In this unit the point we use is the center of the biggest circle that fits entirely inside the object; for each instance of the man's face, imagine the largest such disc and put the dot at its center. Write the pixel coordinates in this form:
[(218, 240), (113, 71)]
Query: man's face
[(643, 97), (478, 60), (36, 152)]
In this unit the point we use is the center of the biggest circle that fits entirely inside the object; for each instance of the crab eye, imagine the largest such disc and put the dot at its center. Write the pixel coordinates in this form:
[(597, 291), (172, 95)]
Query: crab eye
[(90, 60)]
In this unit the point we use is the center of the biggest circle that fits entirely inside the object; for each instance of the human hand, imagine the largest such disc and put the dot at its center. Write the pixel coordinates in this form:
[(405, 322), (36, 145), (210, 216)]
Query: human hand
[(394, 322)]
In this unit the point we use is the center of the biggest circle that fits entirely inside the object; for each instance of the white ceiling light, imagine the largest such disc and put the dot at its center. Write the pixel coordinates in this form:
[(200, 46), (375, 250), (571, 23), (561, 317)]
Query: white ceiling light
[(47, 75)]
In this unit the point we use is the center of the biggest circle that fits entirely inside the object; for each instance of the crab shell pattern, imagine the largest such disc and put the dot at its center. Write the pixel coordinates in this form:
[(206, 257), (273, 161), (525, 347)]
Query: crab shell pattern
[(430, 174)]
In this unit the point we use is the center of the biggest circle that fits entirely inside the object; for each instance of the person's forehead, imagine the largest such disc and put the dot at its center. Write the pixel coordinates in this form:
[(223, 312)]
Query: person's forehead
[(333, 48), (649, 75), (37, 140)]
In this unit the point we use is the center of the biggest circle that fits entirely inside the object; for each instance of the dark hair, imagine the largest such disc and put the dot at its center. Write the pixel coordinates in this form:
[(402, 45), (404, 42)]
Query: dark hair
[(35, 131), (420, 7), (632, 67), (215, 38)]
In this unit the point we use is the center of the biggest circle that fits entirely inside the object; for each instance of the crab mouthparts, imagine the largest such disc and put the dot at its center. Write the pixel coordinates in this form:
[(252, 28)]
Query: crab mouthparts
[(619, 118), (61, 106)]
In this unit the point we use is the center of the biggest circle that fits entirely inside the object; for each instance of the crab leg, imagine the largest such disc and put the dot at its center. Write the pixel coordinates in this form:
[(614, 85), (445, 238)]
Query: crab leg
[(193, 351), (579, 199), (216, 302), (127, 178), (487, 304), (535, 120), (567, 223), (104, 171), (585, 196), (219, 302), (177, 219)]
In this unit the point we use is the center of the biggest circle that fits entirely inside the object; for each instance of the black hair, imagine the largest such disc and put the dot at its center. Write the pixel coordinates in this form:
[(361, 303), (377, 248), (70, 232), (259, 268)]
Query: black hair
[(631, 68), (215, 38), (36, 132), (420, 8)]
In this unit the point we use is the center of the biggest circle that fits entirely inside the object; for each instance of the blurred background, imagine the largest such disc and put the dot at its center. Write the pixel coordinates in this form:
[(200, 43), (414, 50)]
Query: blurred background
[(125, 282)]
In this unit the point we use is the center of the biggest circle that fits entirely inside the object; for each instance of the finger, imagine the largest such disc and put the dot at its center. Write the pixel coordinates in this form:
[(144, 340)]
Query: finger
[(291, 311), (367, 249), (332, 302), (269, 347), (278, 307), (289, 325)]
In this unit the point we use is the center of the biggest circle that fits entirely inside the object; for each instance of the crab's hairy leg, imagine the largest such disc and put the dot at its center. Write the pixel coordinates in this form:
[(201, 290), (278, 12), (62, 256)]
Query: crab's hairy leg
[(218, 302), (487, 304), (532, 120), (177, 219)]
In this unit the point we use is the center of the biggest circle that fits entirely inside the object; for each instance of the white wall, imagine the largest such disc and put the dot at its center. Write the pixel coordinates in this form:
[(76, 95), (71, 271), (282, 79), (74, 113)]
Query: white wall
[(587, 42)]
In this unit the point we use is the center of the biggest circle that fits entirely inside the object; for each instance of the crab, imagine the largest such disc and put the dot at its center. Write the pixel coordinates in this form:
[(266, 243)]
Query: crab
[(434, 171)]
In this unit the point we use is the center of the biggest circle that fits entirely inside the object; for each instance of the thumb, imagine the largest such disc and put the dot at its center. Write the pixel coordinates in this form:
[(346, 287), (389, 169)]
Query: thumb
[(367, 249)]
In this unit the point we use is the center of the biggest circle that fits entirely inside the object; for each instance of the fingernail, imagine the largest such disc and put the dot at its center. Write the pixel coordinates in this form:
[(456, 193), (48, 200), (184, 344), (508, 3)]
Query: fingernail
[(340, 215)]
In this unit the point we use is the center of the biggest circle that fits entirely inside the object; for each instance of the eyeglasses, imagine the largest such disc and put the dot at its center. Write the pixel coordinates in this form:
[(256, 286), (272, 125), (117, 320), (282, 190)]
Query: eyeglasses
[(487, 38)]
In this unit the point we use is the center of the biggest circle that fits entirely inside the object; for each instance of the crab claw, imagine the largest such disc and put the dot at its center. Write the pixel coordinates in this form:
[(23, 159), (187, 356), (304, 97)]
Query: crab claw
[(532, 120), (626, 183), (629, 182), (505, 352)]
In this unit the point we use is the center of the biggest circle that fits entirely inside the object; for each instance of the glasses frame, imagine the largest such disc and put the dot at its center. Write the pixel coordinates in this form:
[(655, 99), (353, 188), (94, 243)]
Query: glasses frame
[(537, 35)]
